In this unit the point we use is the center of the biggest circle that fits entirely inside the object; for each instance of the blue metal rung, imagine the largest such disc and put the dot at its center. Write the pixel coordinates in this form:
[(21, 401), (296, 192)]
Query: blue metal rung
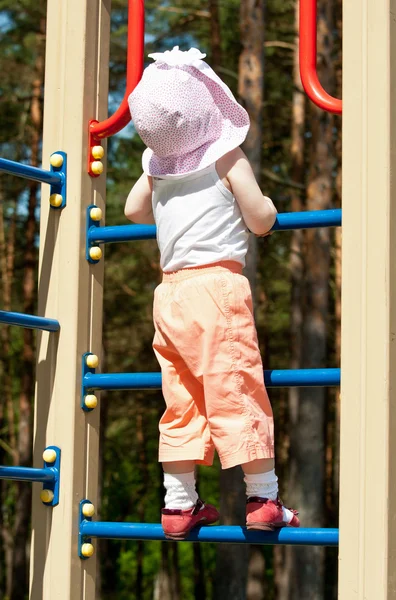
[(302, 378), (308, 219), (29, 321), (28, 172), (56, 177), (231, 534), (49, 475), (147, 381), (27, 474), (119, 233), (284, 222)]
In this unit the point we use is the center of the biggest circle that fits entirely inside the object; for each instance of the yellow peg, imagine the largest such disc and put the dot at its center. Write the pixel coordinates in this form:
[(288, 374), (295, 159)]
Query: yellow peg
[(92, 361), (56, 160), (96, 213), (88, 510), (95, 253), (98, 152), (91, 401), (46, 496), (49, 455), (87, 550), (56, 200), (97, 167)]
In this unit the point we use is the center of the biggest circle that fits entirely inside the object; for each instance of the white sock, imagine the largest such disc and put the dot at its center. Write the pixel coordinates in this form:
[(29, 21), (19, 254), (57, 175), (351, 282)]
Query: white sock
[(264, 485), (180, 490), (287, 514)]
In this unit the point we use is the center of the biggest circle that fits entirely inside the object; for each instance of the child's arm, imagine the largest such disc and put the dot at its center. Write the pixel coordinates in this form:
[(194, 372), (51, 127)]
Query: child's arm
[(257, 210), (138, 207)]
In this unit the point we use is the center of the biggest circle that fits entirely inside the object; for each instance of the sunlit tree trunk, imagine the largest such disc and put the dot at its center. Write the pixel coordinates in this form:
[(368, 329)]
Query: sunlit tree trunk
[(233, 561)]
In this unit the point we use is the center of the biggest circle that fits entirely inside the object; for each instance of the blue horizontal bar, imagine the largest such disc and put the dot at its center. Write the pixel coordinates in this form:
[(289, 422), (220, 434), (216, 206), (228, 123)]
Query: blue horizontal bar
[(147, 381), (27, 474), (308, 219), (32, 173), (302, 378), (29, 321), (121, 233), (122, 381), (284, 222), (226, 533)]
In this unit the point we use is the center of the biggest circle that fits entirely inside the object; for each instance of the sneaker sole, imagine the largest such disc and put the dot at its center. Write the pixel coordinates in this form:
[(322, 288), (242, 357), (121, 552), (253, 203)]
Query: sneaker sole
[(177, 536), (266, 526), (184, 534)]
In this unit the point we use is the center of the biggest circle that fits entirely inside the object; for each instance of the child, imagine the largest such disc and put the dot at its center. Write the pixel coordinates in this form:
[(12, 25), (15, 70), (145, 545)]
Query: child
[(199, 189)]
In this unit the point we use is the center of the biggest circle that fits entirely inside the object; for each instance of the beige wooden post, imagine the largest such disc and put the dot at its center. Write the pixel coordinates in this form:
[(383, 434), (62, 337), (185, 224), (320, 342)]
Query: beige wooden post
[(70, 290), (367, 564)]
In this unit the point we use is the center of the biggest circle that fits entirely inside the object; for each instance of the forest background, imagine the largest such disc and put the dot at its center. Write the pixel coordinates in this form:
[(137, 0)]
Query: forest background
[(295, 150)]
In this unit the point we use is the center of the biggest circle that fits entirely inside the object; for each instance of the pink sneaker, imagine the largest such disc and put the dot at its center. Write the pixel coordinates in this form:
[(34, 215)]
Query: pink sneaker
[(267, 515), (178, 523)]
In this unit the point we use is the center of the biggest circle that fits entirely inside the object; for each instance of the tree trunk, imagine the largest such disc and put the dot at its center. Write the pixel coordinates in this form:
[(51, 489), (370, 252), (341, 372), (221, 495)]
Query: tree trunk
[(23, 505), (283, 553), (232, 559), (305, 566), (167, 584), (215, 33), (337, 266), (7, 421), (251, 95), (199, 579), (251, 91), (141, 449)]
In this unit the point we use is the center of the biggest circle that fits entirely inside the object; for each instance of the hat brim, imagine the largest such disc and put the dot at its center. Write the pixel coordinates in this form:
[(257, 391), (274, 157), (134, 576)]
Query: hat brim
[(176, 166)]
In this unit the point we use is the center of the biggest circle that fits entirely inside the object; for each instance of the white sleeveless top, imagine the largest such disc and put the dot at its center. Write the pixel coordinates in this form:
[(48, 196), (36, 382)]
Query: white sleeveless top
[(198, 221)]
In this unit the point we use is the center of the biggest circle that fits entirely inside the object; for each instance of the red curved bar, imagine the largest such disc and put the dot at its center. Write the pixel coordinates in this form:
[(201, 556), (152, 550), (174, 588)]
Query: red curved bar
[(135, 52), (308, 57)]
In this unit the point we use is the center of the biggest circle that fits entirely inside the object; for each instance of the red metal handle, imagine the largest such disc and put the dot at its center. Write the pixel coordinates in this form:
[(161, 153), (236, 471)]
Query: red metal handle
[(308, 56), (135, 52)]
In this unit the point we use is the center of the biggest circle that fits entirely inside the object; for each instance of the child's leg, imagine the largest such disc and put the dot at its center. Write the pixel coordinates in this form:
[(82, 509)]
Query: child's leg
[(180, 466), (262, 465), (179, 482), (261, 486), (183, 509)]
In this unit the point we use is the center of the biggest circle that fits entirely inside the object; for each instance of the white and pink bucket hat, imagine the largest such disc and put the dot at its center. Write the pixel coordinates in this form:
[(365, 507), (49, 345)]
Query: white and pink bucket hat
[(185, 114)]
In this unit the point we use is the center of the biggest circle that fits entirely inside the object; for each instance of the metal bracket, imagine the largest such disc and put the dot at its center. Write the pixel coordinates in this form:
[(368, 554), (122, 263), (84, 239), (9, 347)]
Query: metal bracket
[(60, 188), (81, 538), (84, 370), (90, 223), (53, 485)]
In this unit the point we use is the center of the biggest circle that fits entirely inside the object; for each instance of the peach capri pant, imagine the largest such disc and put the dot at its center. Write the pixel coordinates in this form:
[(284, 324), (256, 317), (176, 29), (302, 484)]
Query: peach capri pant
[(212, 375)]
